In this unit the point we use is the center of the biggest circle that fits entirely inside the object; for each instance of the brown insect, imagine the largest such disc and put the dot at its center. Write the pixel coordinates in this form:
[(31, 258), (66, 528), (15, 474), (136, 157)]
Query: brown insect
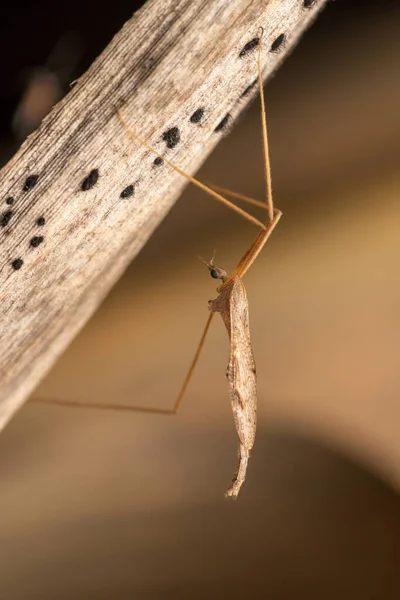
[(232, 304)]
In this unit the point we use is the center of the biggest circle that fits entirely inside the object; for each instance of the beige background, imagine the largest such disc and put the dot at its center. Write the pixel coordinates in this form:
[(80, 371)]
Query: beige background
[(117, 505)]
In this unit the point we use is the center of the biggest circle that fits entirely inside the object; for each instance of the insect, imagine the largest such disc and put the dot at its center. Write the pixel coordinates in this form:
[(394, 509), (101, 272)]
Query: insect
[(232, 304)]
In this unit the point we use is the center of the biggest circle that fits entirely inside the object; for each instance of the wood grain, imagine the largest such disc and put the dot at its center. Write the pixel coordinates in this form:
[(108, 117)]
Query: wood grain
[(169, 60)]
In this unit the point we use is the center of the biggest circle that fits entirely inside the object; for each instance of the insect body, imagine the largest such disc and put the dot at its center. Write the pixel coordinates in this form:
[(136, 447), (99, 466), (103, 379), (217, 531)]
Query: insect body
[(232, 304)]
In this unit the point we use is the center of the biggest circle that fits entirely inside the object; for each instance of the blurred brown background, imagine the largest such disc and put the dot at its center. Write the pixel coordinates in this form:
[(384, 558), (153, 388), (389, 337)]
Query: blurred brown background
[(99, 504)]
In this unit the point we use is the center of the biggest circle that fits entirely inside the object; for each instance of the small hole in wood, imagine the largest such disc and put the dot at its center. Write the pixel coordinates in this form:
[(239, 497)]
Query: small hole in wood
[(308, 3), (158, 161), (36, 241), (30, 182), (90, 180), (10, 201), (128, 191), (17, 263), (249, 47), (197, 115), (6, 218), (172, 137), (278, 43), (41, 221)]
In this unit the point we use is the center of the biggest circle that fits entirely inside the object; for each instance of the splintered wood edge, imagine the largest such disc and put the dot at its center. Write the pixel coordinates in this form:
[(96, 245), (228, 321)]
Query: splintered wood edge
[(87, 197)]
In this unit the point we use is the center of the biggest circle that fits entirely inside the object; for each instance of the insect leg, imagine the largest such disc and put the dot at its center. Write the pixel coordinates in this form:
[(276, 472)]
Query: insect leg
[(195, 182), (238, 196), (214, 190), (125, 407), (274, 214), (192, 366), (250, 256), (267, 165), (100, 405)]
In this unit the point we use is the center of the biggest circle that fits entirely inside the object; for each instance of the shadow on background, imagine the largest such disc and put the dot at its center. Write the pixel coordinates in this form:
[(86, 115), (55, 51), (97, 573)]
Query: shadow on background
[(316, 526)]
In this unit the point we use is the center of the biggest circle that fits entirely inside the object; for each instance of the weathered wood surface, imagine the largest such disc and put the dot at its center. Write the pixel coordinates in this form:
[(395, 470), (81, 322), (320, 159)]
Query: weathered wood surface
[(172, 58)]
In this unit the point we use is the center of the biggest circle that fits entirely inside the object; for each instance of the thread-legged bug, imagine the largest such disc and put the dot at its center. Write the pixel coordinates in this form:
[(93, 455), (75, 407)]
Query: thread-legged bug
[(232, 304)]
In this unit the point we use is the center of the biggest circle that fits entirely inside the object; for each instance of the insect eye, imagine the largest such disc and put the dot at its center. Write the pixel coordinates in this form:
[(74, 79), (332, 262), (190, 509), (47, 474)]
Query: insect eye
[(214, 273)]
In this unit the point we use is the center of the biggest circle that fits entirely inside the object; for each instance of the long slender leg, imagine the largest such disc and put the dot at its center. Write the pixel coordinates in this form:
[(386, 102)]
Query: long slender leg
[(247, 260), (124, 407), (213, 190), (268, 205), (274, 214), (267, 164), (195, 182), (193, 365), (238, 196), (217, 191)]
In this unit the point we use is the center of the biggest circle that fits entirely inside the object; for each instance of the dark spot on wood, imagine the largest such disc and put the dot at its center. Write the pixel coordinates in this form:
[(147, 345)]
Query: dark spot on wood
[(6, 218), (197, 115), (17, 263), (249, 88), (128, 191), (30, 182), (172, 137), (254, 370), (249, 47), (10, 201), (308, 3), (158, 161), (90, 180), (36, 241), (276, 44), (223, 123), (41, 221)]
